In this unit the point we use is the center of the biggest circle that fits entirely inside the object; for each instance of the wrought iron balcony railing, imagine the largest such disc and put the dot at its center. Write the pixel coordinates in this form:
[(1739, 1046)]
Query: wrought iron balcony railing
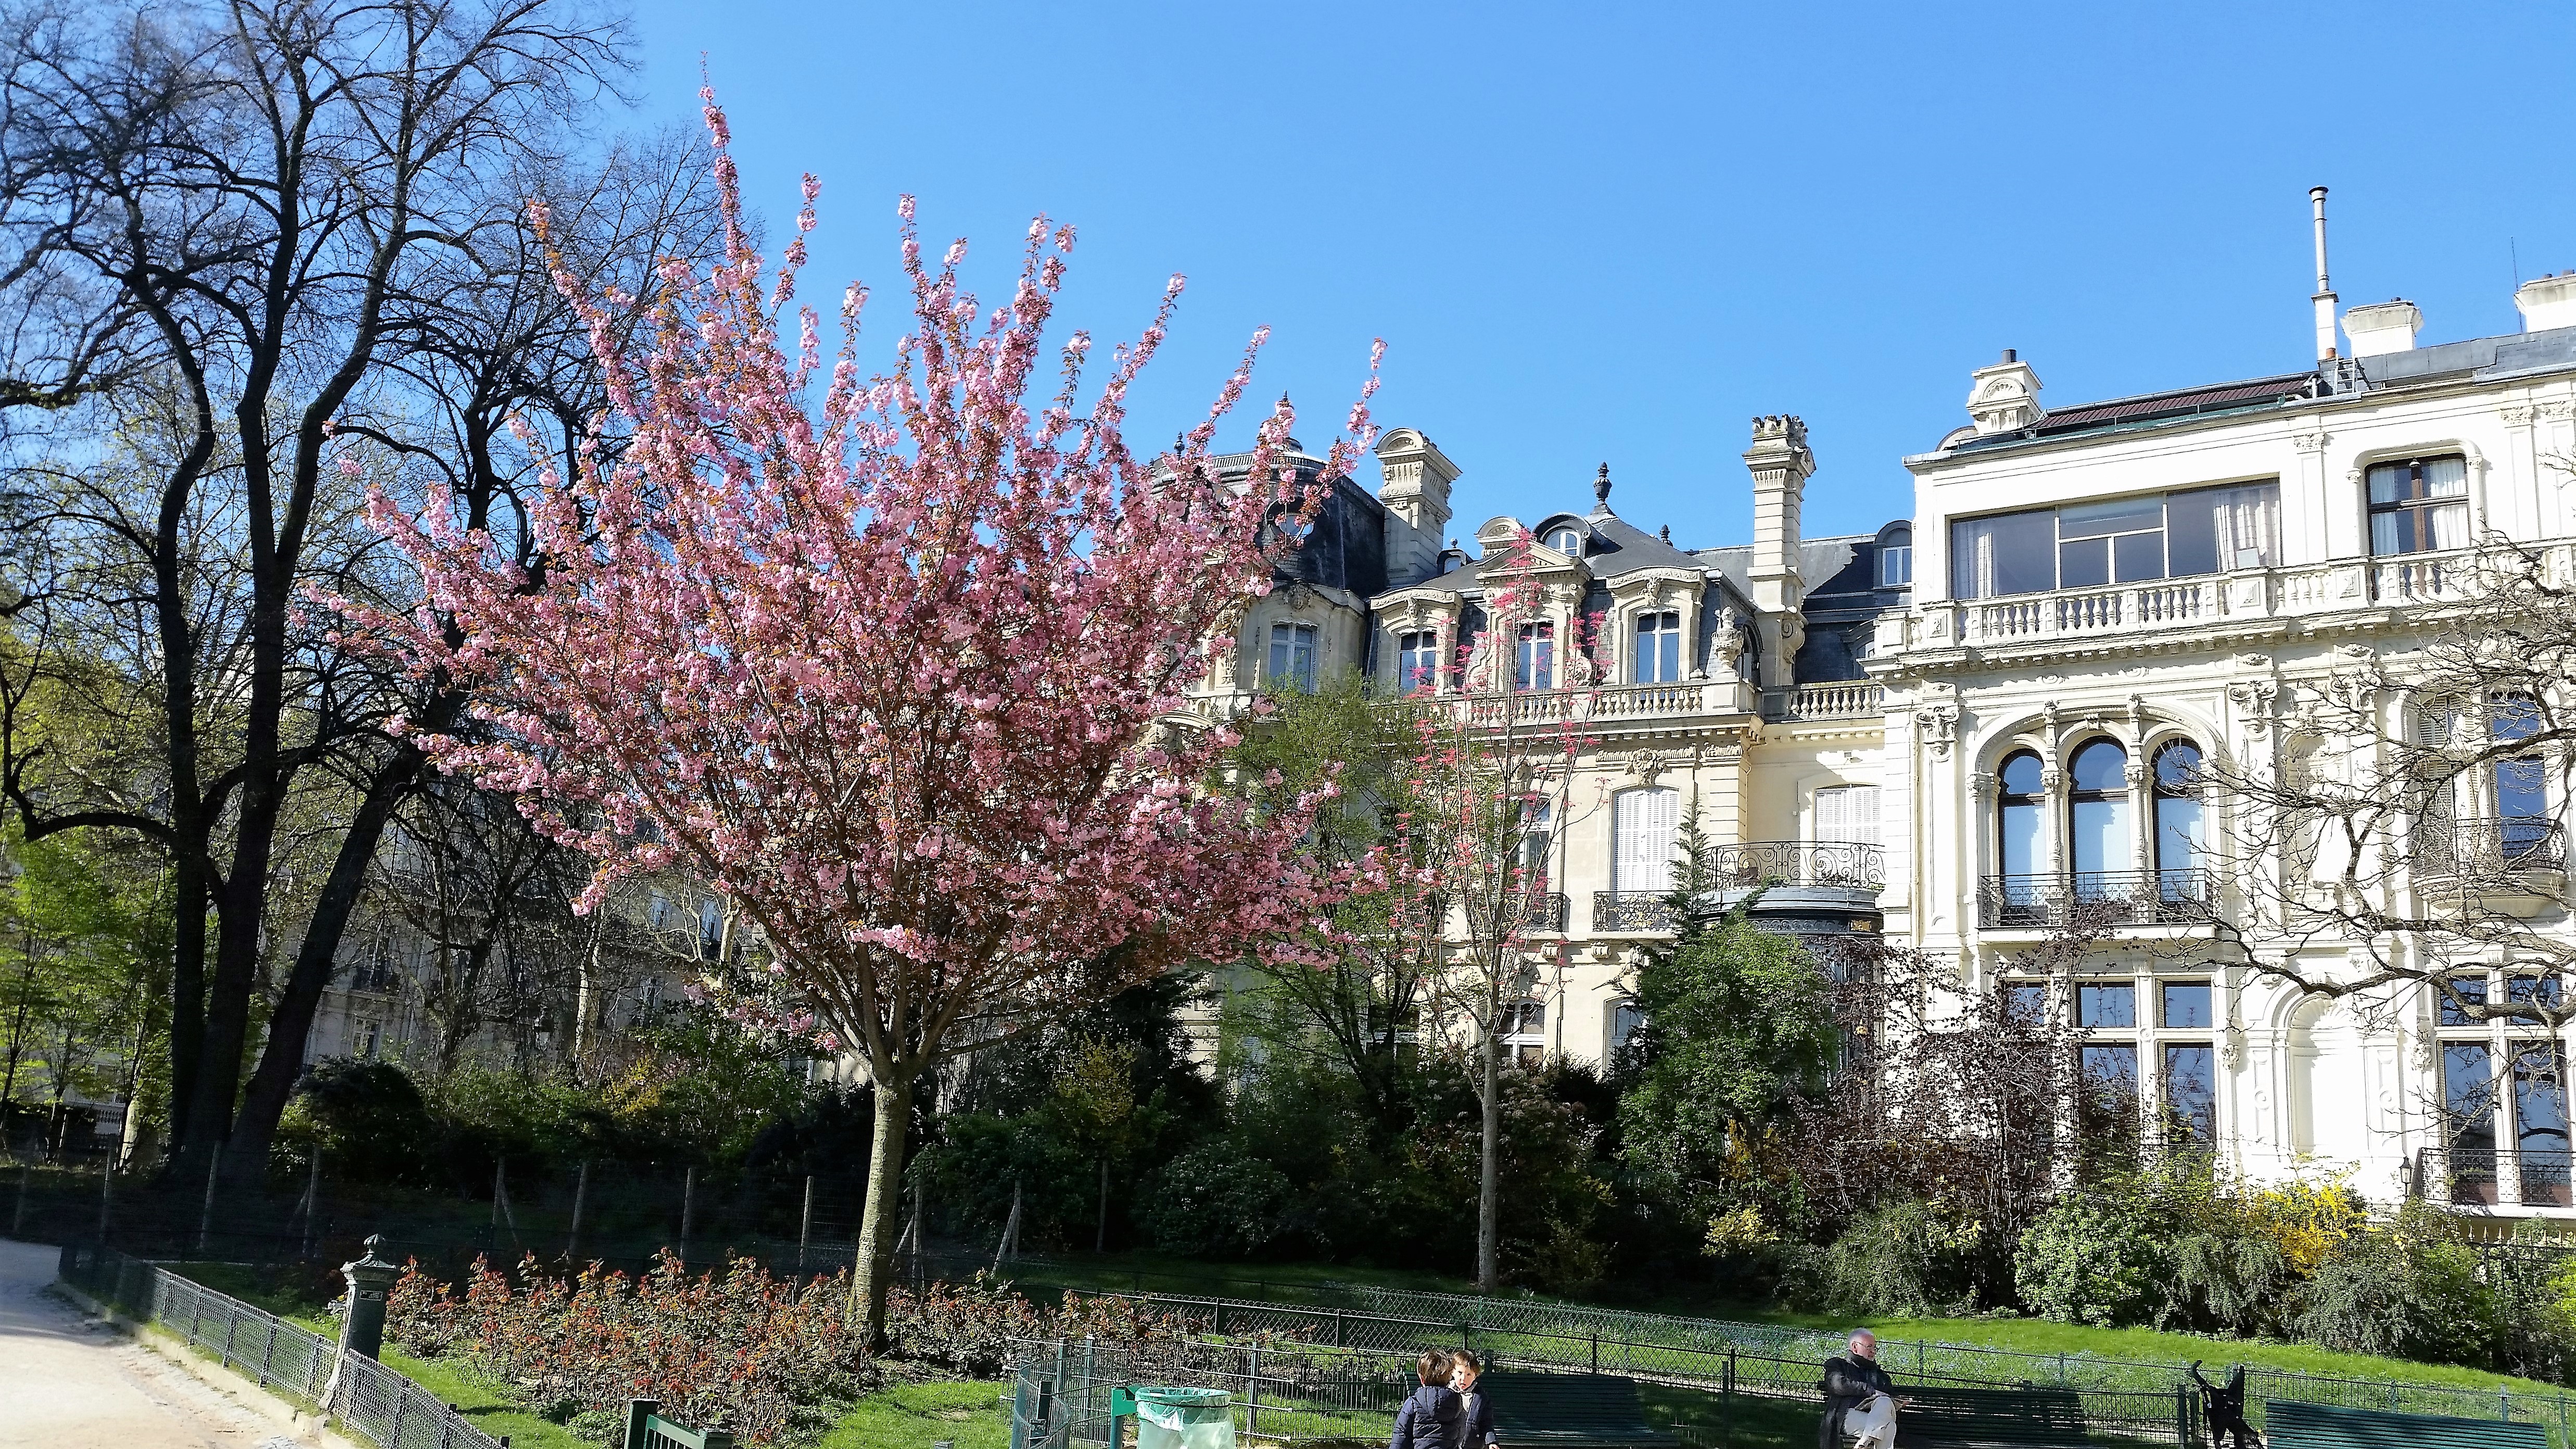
[(1533, 910), (2473, 1173), (1631, 911), (1849, 864), (2480, 848), (2099, 898)]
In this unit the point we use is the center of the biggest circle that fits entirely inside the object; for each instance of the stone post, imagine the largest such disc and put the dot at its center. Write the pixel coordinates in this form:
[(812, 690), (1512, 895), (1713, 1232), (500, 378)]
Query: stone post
[(1780, 464), (362, 1328)]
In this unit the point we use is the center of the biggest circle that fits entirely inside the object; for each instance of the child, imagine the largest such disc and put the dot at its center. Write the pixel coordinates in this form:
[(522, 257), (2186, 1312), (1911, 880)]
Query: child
[(1429, 1418), (1475, 1411)]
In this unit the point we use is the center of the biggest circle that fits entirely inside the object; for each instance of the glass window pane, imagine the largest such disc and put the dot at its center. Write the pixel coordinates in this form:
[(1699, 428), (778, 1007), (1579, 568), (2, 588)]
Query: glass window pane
[(2392, 533), (2084, 563), (2468, 989), (2186, 1003), (2099, 834), (2446, 477), (2101, 765), (2392, 482), (2191, 536), (2468, 1094), (2027, 1001), (2110, 1072), (2120, 515), (2191, 1089), (2014, 553), (2136, 556), (2106, 1004), (2020, 839), (2541, 989), (2021, 775)]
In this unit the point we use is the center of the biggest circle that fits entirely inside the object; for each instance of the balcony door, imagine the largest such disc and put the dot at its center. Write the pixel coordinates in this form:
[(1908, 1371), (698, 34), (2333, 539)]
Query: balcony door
[(1641, 828)]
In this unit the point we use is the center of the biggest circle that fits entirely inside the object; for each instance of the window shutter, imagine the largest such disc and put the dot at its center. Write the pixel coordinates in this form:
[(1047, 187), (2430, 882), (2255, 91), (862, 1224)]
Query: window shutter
[(1848, 813), (1642, 822)]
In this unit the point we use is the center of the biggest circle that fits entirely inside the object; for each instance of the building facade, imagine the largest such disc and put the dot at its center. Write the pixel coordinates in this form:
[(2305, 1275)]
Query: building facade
[(1968, 726)]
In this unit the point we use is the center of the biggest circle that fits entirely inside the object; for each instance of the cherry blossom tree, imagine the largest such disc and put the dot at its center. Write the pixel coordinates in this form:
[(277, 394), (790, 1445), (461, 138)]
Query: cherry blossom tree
[(901, 670)]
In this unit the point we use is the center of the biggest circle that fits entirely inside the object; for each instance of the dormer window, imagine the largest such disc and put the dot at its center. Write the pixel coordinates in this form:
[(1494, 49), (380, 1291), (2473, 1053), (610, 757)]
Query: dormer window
[(1417, 661), (1659, 648), (1567, 541), (1896, 559), (1535, 665), (1292, 656)]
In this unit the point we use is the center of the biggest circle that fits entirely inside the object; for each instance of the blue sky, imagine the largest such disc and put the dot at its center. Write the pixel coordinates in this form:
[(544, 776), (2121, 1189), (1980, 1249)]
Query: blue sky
[(1614, 233)]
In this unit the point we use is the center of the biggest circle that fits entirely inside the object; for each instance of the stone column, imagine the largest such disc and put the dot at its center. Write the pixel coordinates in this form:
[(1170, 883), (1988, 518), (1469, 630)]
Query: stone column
[(1781, 465), (362, 1327)]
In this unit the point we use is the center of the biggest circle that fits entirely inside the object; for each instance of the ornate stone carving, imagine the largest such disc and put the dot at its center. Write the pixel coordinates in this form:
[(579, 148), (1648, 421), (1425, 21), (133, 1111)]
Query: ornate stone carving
[(1648, 765), (2311, 441), (2558, 409), (1726, 641), (1938, 720), (2515, 415)]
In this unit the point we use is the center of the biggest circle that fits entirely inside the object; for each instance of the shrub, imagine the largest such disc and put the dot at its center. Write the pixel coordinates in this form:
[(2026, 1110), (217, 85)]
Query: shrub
[(2088, 1263), (1215, 1201), (768, 1359), (1907, 1259), (2411, 1290)]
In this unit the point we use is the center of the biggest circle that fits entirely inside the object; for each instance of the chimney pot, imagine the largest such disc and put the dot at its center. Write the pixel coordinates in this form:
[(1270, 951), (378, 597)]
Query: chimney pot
[(2011, 356), (2382, 327), (2547, 303)]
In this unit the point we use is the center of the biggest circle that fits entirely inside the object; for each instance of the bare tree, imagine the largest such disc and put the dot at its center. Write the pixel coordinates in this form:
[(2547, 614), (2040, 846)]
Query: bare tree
[(2402, 808), (309, 221)]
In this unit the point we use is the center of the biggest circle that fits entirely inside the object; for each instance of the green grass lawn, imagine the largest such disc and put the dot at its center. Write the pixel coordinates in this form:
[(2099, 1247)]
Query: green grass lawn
[(975, 1413)]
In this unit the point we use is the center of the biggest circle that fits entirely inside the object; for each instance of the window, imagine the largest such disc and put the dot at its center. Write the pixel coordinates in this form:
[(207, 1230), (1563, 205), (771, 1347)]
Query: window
[(2117, 541), (2470, 990), (2540, 1123), (2027, 1001), (1659, 649), (710, 929), (2112, 1003), (2182, 823), (1523, 1034), (1567, 541), (1535, 665), (1417, 661), (1847, 813), (2521, 784), (1641, 828), (1896, 559), (2468, 1100), (2110, 1078), (1536, 817), (1625, 1018), (2098, 811), (2017, 814), (2190, 1085), (1292, 656), (365, 1038), (2419, 505), (2186, 1003), (2542, 990)]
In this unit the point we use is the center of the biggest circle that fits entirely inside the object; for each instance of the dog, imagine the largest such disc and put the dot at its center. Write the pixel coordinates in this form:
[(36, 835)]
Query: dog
[(2225, 1411)]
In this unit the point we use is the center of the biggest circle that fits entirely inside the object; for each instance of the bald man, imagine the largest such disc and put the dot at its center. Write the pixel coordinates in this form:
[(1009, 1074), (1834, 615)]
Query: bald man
[(1859, 1398)]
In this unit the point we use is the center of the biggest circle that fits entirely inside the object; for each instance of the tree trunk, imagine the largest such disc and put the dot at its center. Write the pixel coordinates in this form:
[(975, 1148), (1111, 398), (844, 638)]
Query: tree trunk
[(1489, 1086), (872, 1264), (281, 1061)]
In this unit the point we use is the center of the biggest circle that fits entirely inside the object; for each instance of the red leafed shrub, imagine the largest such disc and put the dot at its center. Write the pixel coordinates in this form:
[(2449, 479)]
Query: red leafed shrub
[(967, 1328), (765, 1357)]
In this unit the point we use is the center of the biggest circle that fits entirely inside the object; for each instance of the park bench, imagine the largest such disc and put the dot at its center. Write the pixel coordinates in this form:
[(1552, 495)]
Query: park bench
[(2327, 1426), (1950, 1416), (1570, 1411)]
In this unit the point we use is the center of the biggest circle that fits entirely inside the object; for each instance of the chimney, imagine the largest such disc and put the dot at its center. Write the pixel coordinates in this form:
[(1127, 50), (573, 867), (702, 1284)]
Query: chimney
[(1781, 466), (2004, 398), (1414, 484), (2325, 297), (2382, 327), (2547, 303)]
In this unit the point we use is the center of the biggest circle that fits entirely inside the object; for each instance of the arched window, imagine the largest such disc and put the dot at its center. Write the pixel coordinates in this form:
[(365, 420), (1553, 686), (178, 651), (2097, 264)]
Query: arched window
[(1567, 541), (2182, 823), (2018, 803), (2097, 813), (1896, 557)]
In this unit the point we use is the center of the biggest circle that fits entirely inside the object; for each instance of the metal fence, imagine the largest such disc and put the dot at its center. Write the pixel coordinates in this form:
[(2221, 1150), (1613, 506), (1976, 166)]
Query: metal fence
[(2134, 1397), (1291, 1394), (293, 1362)]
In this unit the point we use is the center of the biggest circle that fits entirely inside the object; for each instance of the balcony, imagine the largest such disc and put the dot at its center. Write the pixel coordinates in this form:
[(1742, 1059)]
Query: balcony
[(2250, 597), (1608, 704), (2096, 899), (1841, 699), (1833, 864), (2481, 1175), (1642, 912), (2490, 849)]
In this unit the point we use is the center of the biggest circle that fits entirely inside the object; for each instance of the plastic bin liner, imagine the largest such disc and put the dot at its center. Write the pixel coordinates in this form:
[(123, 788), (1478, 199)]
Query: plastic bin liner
[(1184, 1419)]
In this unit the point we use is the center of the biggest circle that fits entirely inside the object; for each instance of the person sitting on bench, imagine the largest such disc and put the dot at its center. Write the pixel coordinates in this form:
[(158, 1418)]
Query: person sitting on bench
[(1860, 1399)]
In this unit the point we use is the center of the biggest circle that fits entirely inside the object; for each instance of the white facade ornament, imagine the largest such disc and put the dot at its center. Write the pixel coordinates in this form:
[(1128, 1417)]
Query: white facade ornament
[(1648, 765), (2312, 440), (2004, 398)]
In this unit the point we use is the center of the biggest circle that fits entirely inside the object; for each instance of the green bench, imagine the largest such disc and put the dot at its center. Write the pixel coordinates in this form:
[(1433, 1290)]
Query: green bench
[(1570, 1411), (2325, 1426), (1955, 1416)]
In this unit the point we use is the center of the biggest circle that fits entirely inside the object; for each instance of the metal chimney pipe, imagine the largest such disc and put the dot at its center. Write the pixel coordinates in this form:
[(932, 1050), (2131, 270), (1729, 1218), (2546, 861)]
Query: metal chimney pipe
[(2324, 300)]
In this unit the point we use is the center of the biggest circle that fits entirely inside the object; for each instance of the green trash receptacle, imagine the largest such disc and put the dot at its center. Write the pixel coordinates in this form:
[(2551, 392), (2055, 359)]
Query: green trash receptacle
[(1184, 1418)]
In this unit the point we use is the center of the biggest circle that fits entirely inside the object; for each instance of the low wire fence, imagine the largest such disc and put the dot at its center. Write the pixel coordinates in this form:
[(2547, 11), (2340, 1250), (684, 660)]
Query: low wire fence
[(1285, 1394), (363, 1396)]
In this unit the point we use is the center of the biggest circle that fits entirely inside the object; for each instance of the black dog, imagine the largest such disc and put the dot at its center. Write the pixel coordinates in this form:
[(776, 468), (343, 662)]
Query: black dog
[(2225, 1410)]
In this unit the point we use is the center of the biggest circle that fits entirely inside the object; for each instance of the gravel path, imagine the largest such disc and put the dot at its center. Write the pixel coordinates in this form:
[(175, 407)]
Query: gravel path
[(71, 1382)]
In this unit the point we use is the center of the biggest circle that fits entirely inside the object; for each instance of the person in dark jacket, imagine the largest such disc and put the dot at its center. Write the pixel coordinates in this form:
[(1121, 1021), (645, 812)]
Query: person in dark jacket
[(1860, 1399), (1476, 1412), (1430, 1418)]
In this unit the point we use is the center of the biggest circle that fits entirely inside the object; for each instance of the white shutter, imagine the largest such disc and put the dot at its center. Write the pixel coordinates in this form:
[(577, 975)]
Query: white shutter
[(1848, 813), (1641, 825)]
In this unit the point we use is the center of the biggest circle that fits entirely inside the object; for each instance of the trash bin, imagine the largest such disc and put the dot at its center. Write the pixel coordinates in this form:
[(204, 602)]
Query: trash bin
[(1179, 1418)]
